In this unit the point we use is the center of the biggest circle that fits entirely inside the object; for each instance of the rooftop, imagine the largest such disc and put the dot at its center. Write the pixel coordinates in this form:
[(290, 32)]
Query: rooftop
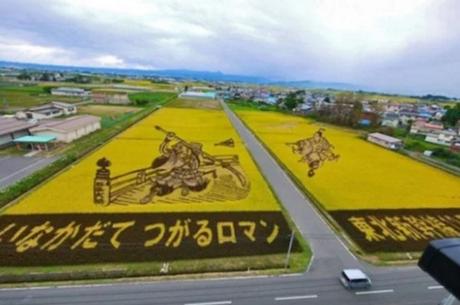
[(384, 137), (9, 125), (198, 94), (68, 124), (79, 90), (35, 139)]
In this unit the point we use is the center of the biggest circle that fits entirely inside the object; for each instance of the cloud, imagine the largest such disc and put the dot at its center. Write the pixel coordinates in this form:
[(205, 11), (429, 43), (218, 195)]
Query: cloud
[(17, 50), (109, 61), (385, 44)]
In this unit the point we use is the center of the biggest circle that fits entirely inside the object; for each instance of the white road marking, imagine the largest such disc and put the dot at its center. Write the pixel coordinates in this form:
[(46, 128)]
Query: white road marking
[(291, 274), (346, 248), (131, 283), (435, 287), (249, 277), (211, 303), (25, 288), (297, 297), (311, 261), (374, 292)]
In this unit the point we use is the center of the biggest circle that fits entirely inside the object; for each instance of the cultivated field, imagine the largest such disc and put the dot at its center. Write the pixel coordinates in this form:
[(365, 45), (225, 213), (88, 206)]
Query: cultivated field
[(177, 185), (384, 200), (13, 97), (193, 103), (108, 110)]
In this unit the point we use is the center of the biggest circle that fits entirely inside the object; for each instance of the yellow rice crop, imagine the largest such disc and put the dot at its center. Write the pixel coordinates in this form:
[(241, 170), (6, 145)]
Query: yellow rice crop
[(365, 177), (71, 191)]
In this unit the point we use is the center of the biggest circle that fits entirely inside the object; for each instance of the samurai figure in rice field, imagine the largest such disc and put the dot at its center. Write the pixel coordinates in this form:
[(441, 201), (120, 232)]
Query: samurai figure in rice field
[(184, 165), (314, 151)]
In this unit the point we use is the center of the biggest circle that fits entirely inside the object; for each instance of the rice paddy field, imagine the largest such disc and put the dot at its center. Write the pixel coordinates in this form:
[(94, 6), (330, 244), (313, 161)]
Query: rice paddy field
[(384, 201), (177, 185)]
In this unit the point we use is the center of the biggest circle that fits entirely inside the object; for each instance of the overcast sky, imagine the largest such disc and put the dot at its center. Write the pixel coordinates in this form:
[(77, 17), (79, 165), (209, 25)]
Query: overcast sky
[(407, 46)]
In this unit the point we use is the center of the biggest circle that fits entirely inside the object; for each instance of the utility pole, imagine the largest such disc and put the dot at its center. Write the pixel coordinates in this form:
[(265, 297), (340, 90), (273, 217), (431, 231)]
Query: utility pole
[(288, 254)]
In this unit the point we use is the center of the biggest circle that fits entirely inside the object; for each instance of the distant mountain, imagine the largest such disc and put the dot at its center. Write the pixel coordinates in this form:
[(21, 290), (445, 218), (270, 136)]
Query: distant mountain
[(307, 84), (178, 74), (185, 74)]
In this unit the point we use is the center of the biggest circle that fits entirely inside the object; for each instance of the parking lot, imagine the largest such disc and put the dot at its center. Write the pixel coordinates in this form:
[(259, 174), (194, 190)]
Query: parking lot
[(14, 168)]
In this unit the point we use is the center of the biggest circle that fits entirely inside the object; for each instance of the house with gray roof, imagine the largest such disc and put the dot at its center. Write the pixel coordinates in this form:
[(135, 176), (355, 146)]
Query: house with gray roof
[(69, 129), (11, 128)]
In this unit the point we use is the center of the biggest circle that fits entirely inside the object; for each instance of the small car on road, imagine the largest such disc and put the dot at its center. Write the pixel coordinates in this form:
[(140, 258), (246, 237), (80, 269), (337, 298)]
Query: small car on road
[(355, 279)]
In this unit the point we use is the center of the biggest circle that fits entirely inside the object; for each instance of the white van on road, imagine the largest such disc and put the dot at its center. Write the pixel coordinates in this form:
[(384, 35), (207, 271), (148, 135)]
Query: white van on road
[(355, 279)]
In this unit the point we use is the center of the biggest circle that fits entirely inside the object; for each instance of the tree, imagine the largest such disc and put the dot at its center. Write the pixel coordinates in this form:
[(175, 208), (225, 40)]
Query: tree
[(24, 76), (452, 115), (356, 113), (292, 100), (47, 77), (47, 89)]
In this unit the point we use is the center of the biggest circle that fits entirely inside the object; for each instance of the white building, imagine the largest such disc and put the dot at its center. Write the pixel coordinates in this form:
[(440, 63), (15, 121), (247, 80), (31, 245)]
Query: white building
[(390, 119), (66, 91), (445, 137), (211, 95), (385, 141), (48, 111), (69, 129)]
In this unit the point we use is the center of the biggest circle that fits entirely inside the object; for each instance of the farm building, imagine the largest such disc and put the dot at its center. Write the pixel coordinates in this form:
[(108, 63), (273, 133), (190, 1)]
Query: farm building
[(11, 128), (198, 95), (69, 91), (35, 142), (118, 98), (69, 129), (48, 111), (384, 140)]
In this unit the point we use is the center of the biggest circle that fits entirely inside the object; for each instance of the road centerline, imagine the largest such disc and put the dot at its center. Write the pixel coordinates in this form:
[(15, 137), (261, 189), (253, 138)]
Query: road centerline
[(211, 303), (297, 297), (435, 287), (374, 291)]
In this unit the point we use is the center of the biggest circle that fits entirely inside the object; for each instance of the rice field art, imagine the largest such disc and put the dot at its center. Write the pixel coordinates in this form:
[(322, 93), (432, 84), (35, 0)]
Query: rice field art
[(181, 165), (384, 201), (177, 185)]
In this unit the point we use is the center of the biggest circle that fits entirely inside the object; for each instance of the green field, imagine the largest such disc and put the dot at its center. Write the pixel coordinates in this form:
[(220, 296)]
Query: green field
[(144, 98), (13, 97)]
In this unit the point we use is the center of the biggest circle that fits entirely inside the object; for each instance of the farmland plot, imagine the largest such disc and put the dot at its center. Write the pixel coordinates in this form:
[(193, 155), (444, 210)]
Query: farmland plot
[(177, 185), (385, 202)]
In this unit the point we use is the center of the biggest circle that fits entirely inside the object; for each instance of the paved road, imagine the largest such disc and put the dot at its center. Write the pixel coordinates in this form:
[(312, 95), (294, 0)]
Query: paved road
[(14, 168), (293, 290), (405, 286), (330, 254)]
